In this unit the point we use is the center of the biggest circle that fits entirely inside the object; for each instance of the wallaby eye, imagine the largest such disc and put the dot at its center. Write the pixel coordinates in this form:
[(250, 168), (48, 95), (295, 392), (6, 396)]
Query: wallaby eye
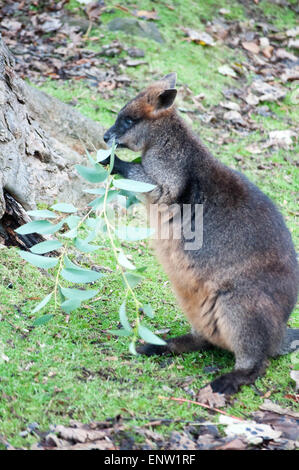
[(128, 120)]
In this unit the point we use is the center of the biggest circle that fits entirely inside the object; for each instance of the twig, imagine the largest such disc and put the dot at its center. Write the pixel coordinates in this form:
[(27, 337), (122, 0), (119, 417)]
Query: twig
[(199, 404)]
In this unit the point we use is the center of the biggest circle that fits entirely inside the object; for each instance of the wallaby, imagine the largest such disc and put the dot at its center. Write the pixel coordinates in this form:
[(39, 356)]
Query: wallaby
[(239, 288)]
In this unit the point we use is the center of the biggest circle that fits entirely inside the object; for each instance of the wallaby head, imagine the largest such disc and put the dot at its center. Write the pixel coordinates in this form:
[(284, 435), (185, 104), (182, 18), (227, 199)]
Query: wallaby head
[(138, 121)]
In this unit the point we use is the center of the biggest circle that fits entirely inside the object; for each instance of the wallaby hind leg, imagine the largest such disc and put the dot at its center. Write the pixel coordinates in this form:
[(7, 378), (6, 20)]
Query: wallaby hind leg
[(250, 345), (180, 344)]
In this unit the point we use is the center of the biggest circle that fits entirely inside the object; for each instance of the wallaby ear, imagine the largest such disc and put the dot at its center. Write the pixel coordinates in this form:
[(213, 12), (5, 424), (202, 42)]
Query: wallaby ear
[(166, 98), (170, 78)]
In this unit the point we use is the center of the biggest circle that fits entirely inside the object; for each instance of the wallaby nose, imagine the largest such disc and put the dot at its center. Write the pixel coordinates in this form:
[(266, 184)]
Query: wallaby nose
[(106, 137)]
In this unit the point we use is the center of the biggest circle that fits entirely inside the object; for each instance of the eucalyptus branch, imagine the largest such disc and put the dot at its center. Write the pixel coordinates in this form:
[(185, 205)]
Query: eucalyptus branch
[(64, 214)]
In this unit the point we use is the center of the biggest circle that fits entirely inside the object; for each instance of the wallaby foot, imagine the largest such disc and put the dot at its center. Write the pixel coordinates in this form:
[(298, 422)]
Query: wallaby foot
[(230, 383), (251, 362), (290, 342), (180, 344)]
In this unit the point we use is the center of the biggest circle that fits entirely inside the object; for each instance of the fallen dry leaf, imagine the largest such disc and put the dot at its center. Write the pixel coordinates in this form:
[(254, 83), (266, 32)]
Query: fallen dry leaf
[(199, 37), (230, 105), (293, 43), (227, 70), (251, 47), (281, 139), (268, 92), (147, 15), (252, 99), (208, 397), (268, 405), (234, 116)]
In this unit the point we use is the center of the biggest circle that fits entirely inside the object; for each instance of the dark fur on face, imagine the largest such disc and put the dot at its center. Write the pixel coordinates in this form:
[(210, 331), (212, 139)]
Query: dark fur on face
[(239, 289)]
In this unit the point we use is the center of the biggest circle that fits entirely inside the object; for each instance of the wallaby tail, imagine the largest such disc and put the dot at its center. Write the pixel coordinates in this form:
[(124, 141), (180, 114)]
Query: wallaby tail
[(290, 342)]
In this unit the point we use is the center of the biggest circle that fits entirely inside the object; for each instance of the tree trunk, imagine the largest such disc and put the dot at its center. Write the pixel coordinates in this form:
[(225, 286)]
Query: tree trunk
[(41, 139)]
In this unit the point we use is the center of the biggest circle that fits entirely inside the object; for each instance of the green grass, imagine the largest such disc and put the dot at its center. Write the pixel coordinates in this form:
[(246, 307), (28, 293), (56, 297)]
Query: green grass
[(74, 369)]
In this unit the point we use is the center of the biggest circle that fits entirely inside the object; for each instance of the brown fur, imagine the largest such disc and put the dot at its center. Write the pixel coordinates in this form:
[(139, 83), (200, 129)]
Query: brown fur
[(238, 290)]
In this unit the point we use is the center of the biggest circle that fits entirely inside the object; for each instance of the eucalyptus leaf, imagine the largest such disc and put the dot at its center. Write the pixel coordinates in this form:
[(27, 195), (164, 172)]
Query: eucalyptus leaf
[(149, 336), (43, 213), (94, 175), (132, 279), (99, 201), (132, 348), (84, 246), (147, 308), (123, 261), (123, 317), (102, 154), (132, 185), (42, 303), (40, 261), (70, 304), (72, 221), (71, 233), (36, 226), (133, 233), (64, 207), (80, 275), (78, 294), (52, 228), (43, 320), (120, 332), (45, 247)]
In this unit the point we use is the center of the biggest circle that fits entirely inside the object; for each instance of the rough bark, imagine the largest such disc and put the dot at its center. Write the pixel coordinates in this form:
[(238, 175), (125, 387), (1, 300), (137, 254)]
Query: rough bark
[(40, 141)]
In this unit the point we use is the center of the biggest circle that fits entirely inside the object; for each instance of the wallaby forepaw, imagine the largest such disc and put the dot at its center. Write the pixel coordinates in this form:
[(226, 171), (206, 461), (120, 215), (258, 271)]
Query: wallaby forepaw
[(225, 385), (152, 349)]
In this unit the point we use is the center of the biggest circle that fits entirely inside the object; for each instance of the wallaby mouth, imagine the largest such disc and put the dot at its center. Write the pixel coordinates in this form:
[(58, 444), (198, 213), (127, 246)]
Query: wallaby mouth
[(109, 137)]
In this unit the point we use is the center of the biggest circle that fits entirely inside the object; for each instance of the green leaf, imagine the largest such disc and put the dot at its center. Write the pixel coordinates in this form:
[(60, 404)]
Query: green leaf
[(64, 207), (91, 222), (80, 275), (94, 175), (112, 157), (132, 185), (40, 261), (36, 226), (123, 317), (132, 348), (69, 264), (142, 269), (132, 279), (119, 332), (70, 304), (52, 228), (123, 261), (43, 213), (92, 235), (149, 336), (45, 247), (43, 320), (71, 234), (137, 160), (133, 234), (72, 221), (99, 201), (78, 293), (84, 246), (90, 158), (42, 303), (102, 154), (147, 308)]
